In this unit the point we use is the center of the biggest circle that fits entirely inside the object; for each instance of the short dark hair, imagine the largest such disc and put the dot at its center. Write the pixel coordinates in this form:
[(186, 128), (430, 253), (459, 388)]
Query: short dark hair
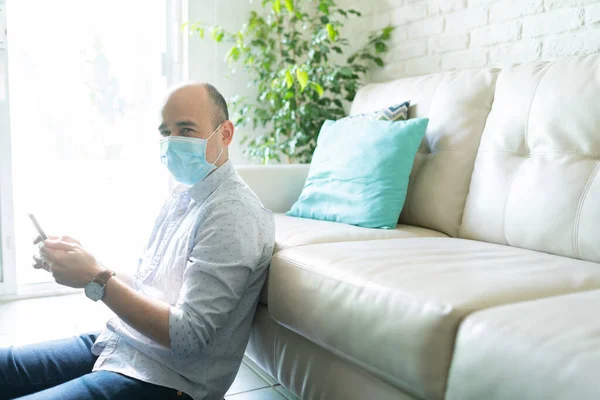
[(220, 110)]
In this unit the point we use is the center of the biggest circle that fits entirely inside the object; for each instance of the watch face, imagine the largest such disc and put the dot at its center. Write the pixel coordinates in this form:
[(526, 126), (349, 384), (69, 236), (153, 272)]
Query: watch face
[(94, 291)]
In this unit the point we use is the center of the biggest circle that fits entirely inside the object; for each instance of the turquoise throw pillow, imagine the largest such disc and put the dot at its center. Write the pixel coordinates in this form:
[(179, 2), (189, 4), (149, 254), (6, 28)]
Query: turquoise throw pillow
[(359, 172)]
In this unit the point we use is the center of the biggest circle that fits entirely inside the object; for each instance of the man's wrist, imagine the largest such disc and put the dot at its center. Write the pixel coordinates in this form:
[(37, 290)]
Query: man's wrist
[(96, 288), (95, 271), (113, 289)]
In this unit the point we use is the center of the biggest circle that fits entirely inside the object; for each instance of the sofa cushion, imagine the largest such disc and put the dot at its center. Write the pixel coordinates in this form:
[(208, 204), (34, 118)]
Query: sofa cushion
[(536, 182), (307, 369), (292, 232), (457, 105), (393, 306), (540, 350)]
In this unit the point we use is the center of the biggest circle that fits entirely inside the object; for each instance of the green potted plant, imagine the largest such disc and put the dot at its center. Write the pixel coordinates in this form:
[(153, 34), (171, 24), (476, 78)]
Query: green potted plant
[(298, 61)]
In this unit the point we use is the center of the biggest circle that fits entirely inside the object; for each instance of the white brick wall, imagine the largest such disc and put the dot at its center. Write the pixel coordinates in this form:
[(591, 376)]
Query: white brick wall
[(592, 14), (556, 21), (465, 20), (496, 33), (508, 9), (441, 35)]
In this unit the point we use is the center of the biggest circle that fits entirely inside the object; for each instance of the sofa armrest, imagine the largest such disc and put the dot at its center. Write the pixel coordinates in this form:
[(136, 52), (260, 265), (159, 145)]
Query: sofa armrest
[(277, 186)]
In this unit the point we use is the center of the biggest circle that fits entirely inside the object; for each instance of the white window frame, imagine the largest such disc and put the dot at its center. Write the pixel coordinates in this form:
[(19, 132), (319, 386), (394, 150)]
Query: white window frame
[(9, 279), (176, 58), (175, 69)]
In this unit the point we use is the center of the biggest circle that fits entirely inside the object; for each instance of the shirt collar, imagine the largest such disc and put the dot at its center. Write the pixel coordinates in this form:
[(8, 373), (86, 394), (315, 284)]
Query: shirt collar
[(201, 190)]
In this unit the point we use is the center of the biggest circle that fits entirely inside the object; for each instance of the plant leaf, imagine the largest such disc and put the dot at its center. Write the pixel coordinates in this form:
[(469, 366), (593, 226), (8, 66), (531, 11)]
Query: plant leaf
[(199, 30), (385, 35), (217, 34), (289, 4), (331, 32), (346, 72), (380, 47), (277, 6), (289, 79), (378, 61), (233, 54), (302, 78), (324, 8), (318, 88)]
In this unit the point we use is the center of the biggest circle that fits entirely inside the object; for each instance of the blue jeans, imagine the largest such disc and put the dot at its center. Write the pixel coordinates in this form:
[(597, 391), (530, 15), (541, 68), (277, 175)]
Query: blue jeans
[(62, 369)]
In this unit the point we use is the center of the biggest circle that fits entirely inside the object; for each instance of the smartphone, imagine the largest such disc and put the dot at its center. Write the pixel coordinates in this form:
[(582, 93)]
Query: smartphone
[(37, 226)]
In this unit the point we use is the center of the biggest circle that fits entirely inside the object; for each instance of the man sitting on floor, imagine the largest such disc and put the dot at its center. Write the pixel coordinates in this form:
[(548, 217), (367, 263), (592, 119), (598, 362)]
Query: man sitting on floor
[(183, 320)]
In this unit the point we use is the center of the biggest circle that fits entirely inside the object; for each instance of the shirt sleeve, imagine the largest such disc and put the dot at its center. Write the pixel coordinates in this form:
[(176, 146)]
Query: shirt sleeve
[(228, 248)]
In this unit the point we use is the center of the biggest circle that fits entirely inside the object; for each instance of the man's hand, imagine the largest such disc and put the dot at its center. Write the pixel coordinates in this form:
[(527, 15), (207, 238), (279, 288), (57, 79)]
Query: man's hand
[(70, 264), (38, 261)]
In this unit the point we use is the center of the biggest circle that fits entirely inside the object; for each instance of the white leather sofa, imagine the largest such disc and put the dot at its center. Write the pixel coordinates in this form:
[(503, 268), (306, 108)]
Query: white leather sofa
[(489, 288)]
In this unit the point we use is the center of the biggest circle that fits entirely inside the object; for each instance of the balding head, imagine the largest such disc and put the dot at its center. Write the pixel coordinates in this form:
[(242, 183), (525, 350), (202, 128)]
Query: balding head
[(196, 110), (202, 95), (220, 110)]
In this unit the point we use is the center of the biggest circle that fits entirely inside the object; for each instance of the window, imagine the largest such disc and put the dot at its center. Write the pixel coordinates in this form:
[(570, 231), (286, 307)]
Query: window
[(7, 279), (85, 87)]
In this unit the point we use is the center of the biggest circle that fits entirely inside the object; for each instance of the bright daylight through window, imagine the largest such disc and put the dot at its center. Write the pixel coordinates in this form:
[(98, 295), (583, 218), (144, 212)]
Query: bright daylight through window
[(85, 86)]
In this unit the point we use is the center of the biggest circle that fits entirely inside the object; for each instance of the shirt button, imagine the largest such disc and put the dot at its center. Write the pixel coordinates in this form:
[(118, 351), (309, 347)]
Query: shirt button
[(179, 393)]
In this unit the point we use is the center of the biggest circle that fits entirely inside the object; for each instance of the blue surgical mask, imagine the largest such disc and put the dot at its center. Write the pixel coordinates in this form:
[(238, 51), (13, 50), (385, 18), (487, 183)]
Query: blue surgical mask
[(185, 158)]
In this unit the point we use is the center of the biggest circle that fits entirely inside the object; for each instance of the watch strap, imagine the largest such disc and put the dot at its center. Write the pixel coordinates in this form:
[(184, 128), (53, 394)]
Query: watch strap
[(103, 277)]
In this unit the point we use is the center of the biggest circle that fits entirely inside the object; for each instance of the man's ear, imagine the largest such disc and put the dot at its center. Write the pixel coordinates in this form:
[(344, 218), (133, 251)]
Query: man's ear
[(227, 132)]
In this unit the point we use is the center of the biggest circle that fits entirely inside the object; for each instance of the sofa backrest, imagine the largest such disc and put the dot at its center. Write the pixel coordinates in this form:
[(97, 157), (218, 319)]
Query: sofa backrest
[(457, 104), (536, 182)]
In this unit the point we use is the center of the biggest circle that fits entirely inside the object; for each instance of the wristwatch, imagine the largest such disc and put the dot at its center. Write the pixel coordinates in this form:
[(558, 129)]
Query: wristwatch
[(95, 289)]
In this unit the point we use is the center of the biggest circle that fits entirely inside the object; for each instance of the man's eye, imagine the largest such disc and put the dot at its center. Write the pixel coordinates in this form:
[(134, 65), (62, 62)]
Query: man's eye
[(186, 130), (165, 133)]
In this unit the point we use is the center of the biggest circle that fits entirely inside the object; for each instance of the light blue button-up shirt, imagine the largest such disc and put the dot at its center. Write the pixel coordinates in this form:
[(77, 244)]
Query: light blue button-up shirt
[(207, 257)]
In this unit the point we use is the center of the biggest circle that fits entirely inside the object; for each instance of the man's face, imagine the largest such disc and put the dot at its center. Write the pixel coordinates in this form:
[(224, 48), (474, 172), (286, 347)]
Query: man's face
[(188, 113)]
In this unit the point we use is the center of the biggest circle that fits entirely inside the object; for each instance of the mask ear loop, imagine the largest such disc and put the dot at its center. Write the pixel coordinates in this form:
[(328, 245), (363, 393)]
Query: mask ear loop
[(211, 135)]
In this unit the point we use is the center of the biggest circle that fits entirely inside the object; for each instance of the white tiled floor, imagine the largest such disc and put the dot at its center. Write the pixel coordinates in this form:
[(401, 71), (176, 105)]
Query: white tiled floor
[(252, 383), (37, 320), (260, 394)]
